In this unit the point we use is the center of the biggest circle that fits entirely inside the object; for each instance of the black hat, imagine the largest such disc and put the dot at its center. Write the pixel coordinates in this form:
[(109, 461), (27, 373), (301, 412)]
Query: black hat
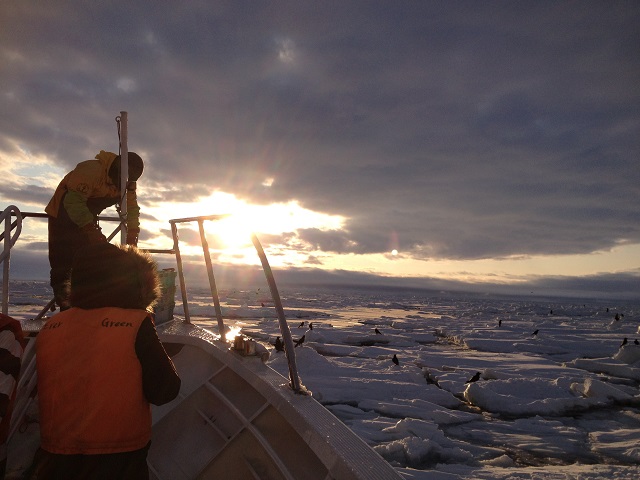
[(136, 167)]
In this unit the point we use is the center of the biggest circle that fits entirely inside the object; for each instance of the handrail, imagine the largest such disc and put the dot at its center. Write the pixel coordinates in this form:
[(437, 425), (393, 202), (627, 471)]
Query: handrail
[(51, 303), (284, 326), (8, 242), (207, 259)]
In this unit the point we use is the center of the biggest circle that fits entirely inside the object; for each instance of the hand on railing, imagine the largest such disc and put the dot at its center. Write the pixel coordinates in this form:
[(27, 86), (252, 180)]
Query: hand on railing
[(93, 234), (5, 217)]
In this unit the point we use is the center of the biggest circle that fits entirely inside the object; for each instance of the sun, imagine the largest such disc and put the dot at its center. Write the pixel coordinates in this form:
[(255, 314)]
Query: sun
[(231, 235), (234, 231)]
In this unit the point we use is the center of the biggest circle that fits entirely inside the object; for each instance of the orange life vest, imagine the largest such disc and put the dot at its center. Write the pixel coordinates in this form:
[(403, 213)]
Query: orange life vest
[(90, 382)]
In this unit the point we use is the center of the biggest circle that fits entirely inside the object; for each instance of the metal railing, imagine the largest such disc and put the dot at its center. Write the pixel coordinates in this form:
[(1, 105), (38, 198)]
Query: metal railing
[(9, 241), (284, 326)]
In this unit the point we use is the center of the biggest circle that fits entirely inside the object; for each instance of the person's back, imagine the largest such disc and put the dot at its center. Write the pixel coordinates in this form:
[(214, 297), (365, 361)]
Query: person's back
[(100, 363), (73, 210)]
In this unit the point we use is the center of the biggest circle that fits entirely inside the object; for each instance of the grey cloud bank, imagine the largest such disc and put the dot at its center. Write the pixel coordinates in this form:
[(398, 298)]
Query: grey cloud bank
[(471, 130), (30, 263)]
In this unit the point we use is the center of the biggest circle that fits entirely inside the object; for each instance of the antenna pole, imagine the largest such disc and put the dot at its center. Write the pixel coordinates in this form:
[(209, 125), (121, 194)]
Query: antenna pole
[(124, 175)]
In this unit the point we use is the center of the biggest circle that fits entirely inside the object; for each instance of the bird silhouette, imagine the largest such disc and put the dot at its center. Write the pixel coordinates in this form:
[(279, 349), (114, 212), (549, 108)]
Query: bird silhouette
[(431, 380), (310, 325), (377, 331), (279, 345), (395, 359), (624, 342), (301, 325), (499, 323), (535, 333), (300, 341), (475, 378)]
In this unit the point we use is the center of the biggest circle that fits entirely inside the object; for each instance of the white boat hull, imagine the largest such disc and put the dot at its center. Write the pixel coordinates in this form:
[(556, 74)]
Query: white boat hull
[(236, 418)]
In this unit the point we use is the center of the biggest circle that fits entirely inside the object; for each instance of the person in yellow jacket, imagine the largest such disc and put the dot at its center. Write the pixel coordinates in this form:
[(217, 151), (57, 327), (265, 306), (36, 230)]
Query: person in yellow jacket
[(81, 196), (100, 364)]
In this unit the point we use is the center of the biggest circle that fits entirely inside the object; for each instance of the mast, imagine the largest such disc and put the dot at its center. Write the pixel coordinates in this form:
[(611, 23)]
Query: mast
[(124, 176)]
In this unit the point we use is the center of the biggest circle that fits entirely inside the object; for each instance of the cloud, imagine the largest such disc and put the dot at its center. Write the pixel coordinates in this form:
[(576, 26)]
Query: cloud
[(31, 264), (473, 131), (30, 195)]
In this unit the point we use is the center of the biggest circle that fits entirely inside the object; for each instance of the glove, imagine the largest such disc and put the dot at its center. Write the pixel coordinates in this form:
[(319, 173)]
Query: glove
[(132, 236), (93, 233)]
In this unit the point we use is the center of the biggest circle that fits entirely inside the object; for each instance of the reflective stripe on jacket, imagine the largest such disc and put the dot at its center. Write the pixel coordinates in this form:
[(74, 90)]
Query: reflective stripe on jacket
[(90, 382)]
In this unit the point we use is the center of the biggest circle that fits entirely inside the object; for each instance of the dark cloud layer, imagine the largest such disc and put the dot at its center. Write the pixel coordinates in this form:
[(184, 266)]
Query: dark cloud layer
[(468, 129), (606, 286)]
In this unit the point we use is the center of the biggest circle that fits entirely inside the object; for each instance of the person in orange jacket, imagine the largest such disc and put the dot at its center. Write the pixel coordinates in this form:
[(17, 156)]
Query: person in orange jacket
[(100, 364), (81, 196)]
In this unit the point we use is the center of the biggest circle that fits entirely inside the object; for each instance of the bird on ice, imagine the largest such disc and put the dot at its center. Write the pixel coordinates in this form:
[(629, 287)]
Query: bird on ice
[(395, 359), (499, 323), (624, 342), (301, 325), (475, 378), (300, 341), (377, 331), (279, 345), (431, 380), (535, 333)]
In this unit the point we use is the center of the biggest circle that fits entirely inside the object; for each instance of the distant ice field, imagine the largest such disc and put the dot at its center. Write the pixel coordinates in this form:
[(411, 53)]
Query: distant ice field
[(563, 403)]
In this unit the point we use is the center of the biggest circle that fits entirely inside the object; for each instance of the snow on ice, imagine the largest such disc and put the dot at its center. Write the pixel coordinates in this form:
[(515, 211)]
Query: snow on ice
[(557, 395)]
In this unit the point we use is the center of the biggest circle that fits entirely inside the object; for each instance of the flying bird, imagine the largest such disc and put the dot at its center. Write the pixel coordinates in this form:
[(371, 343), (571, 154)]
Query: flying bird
[(395, 359), (624, 342), (279, 345), (300, 341), (475, 378), (377, 331)]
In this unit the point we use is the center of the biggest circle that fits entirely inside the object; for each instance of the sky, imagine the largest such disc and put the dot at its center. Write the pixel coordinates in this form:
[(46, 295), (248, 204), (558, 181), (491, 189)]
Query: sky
[(483, 145)]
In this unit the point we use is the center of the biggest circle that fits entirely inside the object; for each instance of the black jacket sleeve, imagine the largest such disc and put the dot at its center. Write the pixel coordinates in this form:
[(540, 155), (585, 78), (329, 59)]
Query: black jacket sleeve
[(160, 381)]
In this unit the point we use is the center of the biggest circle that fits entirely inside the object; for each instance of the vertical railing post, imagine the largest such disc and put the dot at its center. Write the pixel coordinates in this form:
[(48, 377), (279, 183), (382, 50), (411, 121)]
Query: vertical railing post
[(8, 242), (284, 326), (6, 253), (124, 175), (212, 280), (183, 287)]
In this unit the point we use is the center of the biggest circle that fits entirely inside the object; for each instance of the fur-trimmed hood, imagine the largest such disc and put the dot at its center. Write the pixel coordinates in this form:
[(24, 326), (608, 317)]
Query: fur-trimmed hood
[(107, 275)]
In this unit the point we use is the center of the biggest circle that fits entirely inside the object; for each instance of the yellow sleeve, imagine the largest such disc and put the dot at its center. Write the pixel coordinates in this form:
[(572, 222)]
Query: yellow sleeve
[(76, 206)]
